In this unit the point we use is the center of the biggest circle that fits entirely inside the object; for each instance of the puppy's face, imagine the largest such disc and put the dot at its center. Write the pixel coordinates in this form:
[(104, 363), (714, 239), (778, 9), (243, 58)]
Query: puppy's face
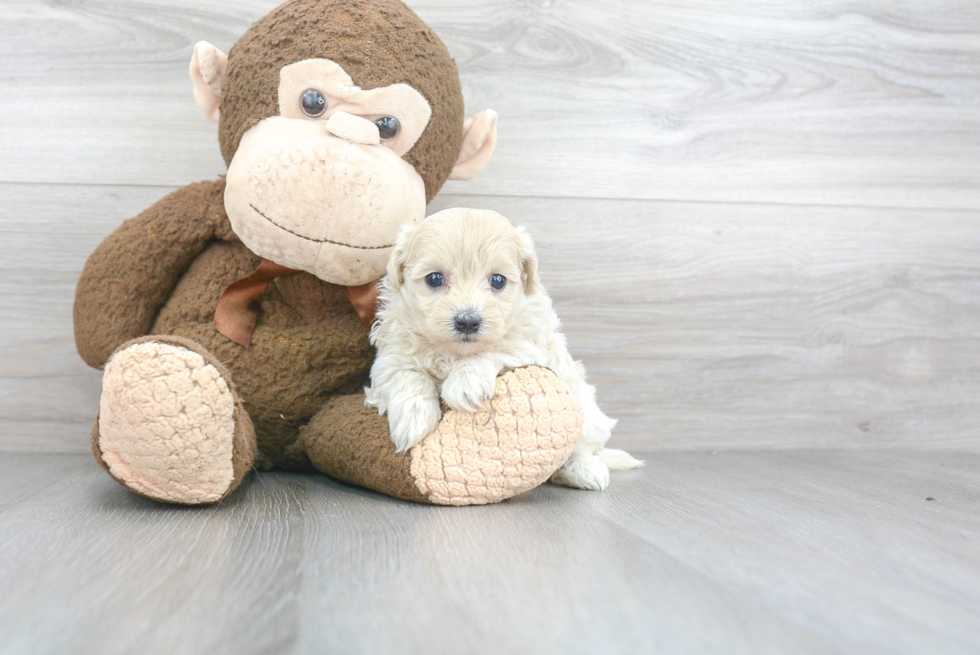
[(464, 275)]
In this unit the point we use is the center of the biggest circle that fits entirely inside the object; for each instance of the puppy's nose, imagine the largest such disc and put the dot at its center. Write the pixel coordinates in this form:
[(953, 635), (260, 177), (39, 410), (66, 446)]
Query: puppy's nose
[(467, 322)]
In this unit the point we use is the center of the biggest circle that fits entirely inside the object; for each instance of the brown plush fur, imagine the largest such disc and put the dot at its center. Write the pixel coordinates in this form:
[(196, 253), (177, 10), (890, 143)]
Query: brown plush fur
[(132, 272), (162, 272), (378, 43), (358, 449), (309, 344)]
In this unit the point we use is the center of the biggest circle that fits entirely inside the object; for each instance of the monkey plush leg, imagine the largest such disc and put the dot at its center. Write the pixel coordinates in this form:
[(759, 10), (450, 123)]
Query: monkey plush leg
[(171, 426), (512, 444)]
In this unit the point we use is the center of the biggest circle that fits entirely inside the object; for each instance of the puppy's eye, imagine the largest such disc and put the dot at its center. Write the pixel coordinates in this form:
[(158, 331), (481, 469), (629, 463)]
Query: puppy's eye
[(313, 103), (498, 281), (435, 280), (387, 127)]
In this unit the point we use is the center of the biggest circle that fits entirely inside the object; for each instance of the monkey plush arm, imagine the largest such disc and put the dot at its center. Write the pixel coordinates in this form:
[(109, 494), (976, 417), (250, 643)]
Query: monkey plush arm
[(130, 275)]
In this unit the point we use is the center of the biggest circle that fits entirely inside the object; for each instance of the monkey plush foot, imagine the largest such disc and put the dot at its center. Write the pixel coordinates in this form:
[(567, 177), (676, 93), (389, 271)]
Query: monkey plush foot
[(513, 443), (171, 427)]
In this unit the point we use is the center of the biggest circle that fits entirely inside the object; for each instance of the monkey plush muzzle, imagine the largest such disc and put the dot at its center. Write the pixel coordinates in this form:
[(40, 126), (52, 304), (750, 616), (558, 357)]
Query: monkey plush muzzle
[(306, 197)]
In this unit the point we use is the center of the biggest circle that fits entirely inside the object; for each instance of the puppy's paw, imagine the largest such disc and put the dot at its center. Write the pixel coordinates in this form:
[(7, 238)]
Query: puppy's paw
[(371, 398), (466, 388), (590, 473), (412, 421)]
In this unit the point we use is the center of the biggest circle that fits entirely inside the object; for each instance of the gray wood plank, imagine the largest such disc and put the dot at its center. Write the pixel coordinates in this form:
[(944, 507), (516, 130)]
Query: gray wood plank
[(827, 102), (802, 552), (704, 325), (738, 326), (540, 574), (48, 396), (849, 544), (114, 574)]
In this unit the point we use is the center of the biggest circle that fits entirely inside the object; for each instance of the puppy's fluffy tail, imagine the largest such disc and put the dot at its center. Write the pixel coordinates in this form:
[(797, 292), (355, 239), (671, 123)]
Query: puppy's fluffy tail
[(618, 460)]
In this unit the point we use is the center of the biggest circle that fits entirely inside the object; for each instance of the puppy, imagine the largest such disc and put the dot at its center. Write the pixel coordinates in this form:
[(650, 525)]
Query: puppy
[(462, 302)]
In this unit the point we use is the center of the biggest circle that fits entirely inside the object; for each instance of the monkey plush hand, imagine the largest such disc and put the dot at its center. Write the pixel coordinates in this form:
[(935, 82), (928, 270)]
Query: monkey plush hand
[(230, 317)]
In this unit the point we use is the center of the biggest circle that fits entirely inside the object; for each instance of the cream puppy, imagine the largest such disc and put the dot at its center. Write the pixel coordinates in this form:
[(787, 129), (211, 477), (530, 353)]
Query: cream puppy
[(462, 302)]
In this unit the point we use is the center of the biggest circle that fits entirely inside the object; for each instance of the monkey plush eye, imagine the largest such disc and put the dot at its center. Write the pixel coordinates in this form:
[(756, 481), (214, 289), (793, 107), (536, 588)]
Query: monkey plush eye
[(435, 280), (498, 281), (387, 127), (313, 103)]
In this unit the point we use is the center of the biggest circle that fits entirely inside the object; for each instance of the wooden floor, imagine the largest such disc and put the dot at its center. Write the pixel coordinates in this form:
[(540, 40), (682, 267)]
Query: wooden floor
[(734, 552), (760, 223)]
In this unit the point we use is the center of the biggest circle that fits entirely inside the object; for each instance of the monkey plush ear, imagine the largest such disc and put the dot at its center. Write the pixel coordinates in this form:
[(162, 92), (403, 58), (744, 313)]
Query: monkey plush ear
[(479, 140), (208, 66)]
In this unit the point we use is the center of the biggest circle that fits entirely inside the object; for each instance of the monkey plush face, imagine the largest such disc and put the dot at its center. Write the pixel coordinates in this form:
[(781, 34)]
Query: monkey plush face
[(323, 187), (339, 137)]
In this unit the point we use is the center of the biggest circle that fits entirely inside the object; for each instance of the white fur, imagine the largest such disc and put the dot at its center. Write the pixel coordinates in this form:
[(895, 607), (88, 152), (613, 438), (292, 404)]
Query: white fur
[(421, 357)]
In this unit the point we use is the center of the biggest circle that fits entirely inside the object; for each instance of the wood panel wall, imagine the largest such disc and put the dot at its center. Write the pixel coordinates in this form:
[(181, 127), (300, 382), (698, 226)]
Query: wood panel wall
[(760, 221)]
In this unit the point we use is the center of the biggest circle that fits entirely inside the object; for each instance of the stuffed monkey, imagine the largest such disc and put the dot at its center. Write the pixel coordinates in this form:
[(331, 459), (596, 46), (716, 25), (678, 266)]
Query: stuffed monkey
[(231, 317)]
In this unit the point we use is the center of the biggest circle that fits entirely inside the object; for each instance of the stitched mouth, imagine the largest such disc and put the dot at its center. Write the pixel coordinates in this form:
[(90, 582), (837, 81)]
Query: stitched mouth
[(301, 236)]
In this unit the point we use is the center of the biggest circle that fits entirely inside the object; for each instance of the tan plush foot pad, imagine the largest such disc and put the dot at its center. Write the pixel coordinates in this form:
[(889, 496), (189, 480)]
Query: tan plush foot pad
[(513, 444), (167, 424)]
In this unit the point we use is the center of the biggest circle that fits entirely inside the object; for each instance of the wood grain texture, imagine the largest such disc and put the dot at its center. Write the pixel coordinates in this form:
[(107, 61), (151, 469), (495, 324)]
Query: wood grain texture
[(48, 396), (759, 224), (803, 552), (766, 326), (704, 325), (744, 324), (829, 102)]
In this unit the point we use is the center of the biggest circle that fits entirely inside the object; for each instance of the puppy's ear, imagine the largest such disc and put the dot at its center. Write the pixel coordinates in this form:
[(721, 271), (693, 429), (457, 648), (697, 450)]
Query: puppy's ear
[(396, 263), (529, 261)]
